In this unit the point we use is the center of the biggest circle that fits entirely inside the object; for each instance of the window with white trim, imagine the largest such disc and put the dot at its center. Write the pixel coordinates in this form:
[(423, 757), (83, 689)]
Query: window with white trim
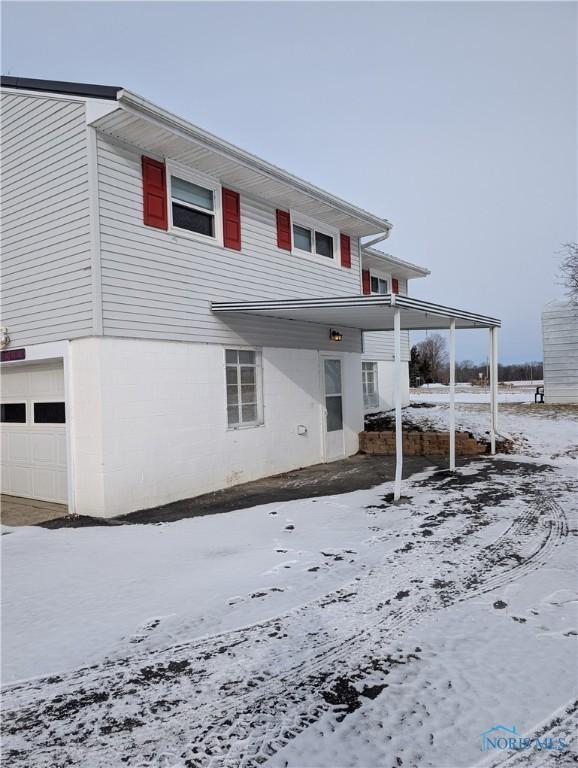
[(314, 240), (194, 205), (370, 388), (244, 388), (378, 285)]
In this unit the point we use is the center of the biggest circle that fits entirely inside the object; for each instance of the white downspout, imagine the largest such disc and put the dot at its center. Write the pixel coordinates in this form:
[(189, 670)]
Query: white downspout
[(376, 240)]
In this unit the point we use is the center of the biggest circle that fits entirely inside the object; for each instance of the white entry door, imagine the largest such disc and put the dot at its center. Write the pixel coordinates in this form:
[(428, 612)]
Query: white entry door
[(33, 425), (333, 422)]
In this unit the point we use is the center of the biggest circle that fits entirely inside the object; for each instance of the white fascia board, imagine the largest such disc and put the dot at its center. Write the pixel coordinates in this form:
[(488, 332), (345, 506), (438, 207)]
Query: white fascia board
[(95, 107), (134, 103), (409, 270)]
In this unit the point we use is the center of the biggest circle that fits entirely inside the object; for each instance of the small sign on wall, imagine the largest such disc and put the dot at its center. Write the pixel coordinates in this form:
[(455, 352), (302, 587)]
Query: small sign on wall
[(8, 355)]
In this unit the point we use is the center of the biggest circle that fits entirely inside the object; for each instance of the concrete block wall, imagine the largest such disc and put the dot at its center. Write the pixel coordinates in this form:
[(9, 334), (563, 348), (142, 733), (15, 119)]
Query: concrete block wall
[(150, 421)]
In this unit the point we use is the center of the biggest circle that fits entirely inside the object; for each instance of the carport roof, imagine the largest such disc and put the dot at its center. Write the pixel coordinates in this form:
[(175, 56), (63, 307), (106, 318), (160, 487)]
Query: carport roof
[(368, 313)]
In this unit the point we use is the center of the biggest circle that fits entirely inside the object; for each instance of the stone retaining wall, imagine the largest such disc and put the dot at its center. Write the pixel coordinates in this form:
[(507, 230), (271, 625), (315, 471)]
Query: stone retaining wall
[(421, 444)]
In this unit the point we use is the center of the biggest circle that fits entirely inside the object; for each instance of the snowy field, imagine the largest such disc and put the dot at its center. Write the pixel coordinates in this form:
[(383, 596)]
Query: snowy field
[(516, 392), (341, 631)]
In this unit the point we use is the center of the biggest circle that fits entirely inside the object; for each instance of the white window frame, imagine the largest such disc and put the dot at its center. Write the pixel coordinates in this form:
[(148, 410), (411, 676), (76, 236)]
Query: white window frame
[(201, 180), (303, 221), (386, 280), (259, 422), (366, 404)]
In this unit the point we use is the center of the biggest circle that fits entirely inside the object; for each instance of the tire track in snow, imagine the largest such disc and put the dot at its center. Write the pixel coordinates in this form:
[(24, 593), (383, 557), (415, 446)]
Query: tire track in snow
[(555, 531), (252, 698), (561, 724)]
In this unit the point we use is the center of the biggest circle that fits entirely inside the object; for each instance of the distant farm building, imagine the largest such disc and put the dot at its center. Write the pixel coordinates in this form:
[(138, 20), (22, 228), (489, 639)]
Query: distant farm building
[(560, 340)]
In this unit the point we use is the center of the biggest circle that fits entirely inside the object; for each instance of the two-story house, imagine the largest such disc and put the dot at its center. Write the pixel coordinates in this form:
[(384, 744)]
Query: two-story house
[(123, 228)]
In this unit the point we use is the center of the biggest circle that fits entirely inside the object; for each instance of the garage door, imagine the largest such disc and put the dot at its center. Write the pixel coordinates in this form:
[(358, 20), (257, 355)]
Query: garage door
[(34, 431)]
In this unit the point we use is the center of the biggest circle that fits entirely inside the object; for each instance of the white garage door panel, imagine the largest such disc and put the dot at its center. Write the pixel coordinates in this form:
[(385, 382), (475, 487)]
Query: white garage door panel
[(61, 485), (44, 447), (17, 481), (60, 451), (51, 383), (34, 455), (16, 445), (36, 381), (48, 484)]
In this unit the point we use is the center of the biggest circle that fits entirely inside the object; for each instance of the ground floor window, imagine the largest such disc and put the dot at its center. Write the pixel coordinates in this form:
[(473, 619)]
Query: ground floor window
[(370, 390), (244, 388)]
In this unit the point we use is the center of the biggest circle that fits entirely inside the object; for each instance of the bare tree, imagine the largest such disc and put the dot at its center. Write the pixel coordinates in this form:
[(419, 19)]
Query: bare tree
[(569, 271), (434, 355)]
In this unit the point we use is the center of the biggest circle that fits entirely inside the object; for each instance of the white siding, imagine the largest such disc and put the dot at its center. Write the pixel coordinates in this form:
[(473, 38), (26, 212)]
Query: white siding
[(560, 339), (46, 278), (158, 285), (378, 345)]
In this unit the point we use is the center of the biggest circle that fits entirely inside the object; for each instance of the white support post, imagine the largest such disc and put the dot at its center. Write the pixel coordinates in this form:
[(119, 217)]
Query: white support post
[(493, 370), (496, 378), (452, 346), (397, 402)]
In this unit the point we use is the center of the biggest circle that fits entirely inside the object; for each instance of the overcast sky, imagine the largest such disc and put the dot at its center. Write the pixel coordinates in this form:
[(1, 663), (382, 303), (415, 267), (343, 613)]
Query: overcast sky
[(456, 121)]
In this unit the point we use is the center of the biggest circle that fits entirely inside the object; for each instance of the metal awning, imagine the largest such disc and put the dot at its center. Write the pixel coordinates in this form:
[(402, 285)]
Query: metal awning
[(389, 312), (367, 313)]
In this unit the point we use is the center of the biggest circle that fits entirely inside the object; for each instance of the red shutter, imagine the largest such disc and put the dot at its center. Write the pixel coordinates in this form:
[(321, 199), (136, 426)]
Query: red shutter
[(366, 281), (394, 285), (283, 230), (346, 251), (231, 219), (154, 184)]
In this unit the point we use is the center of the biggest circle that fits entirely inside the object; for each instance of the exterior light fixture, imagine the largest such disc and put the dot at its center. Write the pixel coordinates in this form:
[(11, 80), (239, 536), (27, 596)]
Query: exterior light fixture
[(4, 338), (335, 335)]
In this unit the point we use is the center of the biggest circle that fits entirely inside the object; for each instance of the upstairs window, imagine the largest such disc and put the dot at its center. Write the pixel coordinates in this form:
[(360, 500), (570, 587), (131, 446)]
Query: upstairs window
[(193, 207), (244, 396), (378, 285), (323, 245), (309, 240), (312, 241), (302, 238)]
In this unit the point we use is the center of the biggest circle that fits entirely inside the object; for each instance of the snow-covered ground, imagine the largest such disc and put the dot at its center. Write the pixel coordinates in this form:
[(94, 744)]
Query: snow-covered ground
[(518, 392), (338, 631), (94, 593), (540, 432)]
